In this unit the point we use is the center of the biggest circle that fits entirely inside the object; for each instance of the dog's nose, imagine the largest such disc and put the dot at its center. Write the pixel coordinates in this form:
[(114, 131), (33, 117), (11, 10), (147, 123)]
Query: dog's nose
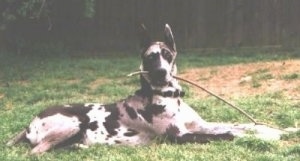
[(160, 73)]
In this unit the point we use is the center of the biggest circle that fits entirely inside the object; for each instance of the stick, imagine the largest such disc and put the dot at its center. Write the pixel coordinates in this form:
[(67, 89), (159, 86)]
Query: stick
[(206, 90), (136, 73), (220, 98)]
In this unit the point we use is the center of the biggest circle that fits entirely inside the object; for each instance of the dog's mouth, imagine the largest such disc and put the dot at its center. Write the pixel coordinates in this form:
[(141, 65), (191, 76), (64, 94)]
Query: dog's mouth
[(159, 77), (154, 79), (156, 82)]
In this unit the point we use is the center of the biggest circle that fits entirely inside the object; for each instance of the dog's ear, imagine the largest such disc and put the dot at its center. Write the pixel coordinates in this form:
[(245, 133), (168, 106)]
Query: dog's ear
[(169, 38), (144, 37)]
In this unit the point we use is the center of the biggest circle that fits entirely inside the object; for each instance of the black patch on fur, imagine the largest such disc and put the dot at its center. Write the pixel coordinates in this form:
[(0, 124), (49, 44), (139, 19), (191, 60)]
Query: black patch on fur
[(28, 130), (151, 61), (118, 142), (166, 54), (151, 110), (178, 102), (172, 130), (131, 132), (145, 91), (111, 121), (93, 125), (130, 111), (172, 134)]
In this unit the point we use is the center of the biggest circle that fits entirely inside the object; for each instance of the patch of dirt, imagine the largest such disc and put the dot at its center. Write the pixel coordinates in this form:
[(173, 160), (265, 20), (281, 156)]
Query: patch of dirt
[(243, 80), (96, 83), (1, 96), (72, 81)]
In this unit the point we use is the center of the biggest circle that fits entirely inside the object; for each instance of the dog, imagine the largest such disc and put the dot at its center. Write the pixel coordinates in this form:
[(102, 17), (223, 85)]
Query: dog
[(156, 110)]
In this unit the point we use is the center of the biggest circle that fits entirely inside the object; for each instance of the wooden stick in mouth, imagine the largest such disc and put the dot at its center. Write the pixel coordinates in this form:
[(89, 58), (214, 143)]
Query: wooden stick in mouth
[(137, 72), (211, 93)]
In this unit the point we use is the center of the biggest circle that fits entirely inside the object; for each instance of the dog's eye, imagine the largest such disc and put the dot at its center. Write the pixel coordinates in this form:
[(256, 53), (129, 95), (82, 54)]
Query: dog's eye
[(167, 55), (151, 56)]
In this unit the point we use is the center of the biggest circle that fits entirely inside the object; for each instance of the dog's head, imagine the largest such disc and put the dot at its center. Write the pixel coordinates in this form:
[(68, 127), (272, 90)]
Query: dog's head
[(158, 57)]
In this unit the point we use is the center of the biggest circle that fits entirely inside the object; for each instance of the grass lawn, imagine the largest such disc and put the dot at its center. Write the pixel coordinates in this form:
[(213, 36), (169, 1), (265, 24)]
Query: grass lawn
[(29, 84)]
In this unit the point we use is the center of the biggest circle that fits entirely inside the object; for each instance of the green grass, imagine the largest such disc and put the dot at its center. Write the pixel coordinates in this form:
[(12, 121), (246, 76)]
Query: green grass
[(292, 76), (30, 83)]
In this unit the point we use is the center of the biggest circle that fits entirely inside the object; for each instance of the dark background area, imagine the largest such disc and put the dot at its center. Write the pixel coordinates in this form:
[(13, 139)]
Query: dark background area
[(112, 25)]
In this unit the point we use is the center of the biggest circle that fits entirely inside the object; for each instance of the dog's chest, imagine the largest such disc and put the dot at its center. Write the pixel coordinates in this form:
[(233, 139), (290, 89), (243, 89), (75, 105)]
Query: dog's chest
[(169, 109), (170, 106)]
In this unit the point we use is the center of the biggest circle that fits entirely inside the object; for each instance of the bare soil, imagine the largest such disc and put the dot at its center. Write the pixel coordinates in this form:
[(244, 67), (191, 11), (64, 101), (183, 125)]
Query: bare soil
[(243, 80), (98, 82)]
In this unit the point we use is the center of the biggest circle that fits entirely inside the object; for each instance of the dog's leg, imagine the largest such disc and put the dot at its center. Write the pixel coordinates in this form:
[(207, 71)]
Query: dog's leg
[(53, 130), (241, 130), (190, 127), (209, 131), (196, 137), (53, 138), (41, 147)]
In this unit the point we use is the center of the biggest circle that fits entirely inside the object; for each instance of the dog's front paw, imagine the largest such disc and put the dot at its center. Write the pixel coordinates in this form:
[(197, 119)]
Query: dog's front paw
[(267, 133), (291, 129)]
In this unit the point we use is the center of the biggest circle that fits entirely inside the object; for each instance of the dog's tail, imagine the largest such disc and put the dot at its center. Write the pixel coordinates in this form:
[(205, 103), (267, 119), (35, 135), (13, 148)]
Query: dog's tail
[(21, 136)]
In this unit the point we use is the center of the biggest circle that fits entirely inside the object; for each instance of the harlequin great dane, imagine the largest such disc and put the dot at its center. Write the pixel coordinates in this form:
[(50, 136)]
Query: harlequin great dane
[(156, 110)]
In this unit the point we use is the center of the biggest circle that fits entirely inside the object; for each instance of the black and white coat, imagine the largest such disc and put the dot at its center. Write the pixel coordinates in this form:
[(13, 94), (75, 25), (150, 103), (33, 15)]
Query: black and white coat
[(156, 110)]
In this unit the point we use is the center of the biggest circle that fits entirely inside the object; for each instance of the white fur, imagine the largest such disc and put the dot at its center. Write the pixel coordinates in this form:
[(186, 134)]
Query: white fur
[(41, 128)]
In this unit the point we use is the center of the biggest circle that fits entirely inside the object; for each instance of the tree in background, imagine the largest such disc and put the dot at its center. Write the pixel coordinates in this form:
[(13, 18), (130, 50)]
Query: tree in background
[(98, 25), (28, 21)]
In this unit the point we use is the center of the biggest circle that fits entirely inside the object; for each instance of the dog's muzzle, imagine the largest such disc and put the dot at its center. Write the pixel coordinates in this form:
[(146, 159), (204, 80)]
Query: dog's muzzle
[(159, 77)]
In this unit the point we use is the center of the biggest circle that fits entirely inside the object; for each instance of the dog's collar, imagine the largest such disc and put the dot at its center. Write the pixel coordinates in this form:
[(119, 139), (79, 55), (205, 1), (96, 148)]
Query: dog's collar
[(176, 93), (173, 94)]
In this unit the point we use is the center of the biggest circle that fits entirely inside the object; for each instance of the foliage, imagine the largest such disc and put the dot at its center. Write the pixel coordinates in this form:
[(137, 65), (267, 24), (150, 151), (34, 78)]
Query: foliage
[(13, 10), (26, 25), (89, 8), (106, 25)]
